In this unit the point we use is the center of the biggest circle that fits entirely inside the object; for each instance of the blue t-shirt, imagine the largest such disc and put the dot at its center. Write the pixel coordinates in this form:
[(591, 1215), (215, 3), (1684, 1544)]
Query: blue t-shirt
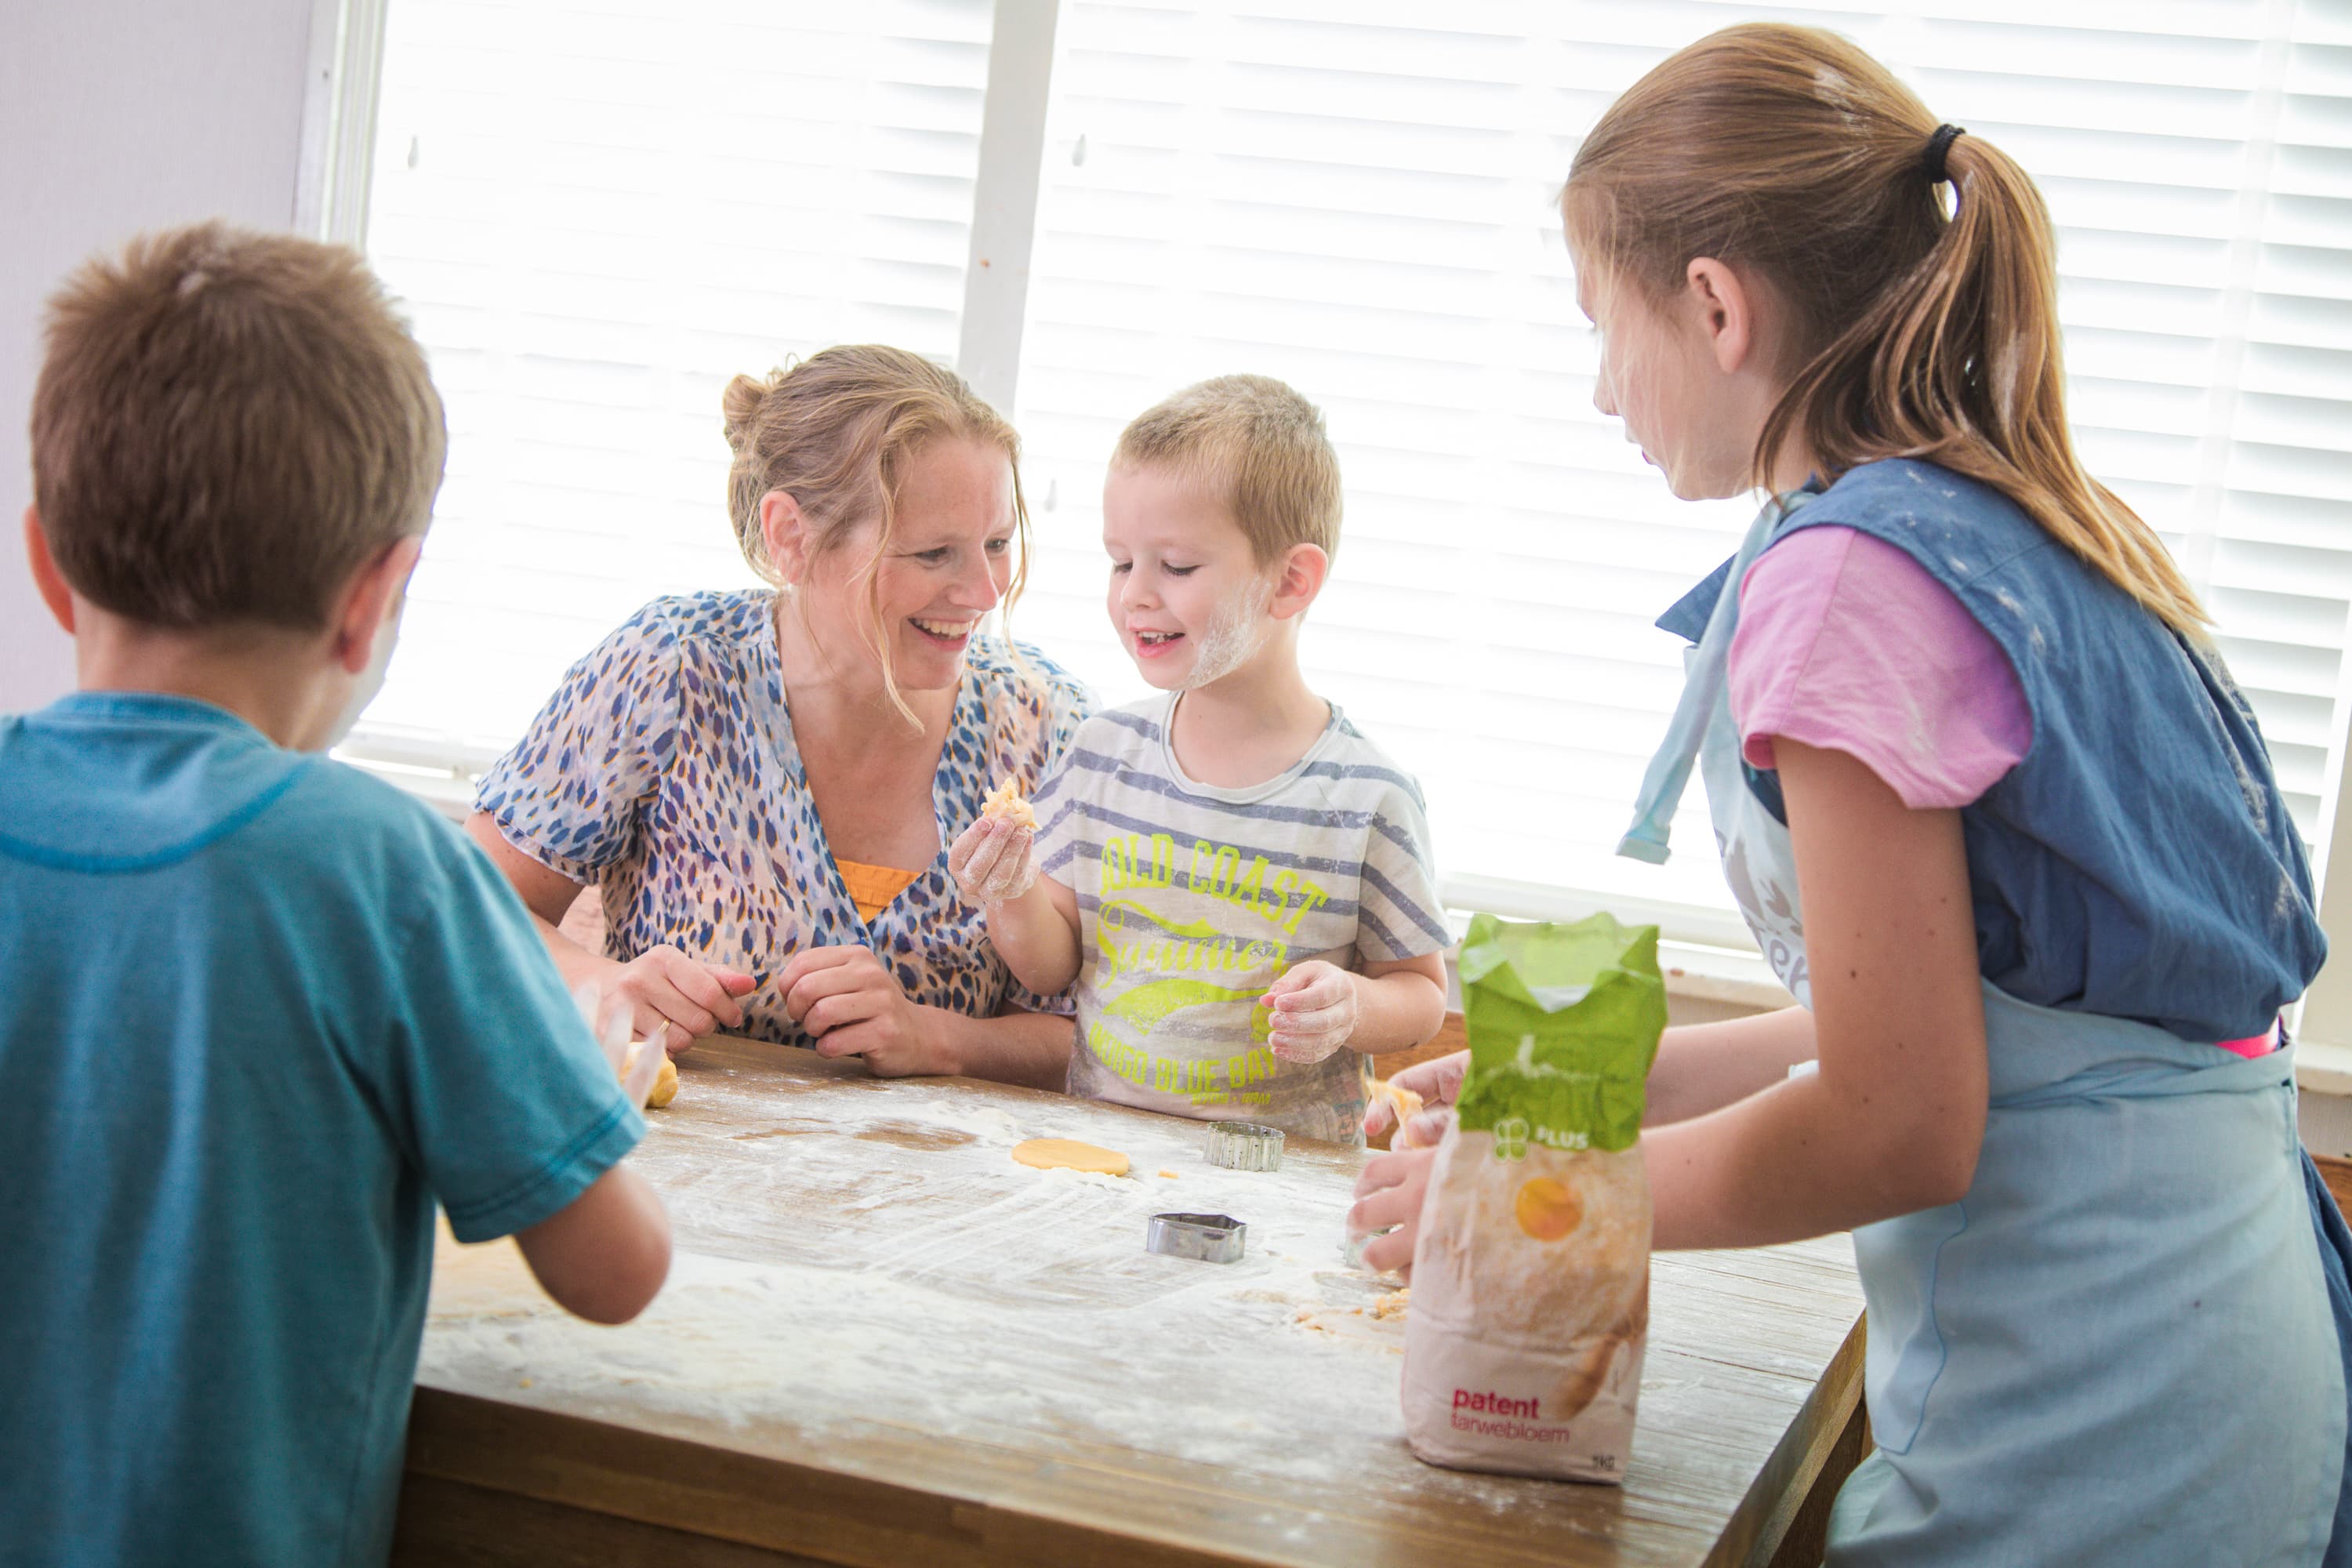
[(257, 1013)]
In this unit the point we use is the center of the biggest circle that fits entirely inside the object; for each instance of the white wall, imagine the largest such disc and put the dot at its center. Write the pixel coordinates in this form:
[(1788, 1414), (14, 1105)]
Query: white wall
[(117, 116)]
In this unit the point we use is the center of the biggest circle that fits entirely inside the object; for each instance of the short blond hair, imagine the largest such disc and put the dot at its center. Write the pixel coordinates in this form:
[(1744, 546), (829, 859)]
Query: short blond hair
[(1258, 446), (227, 426), (835, 432)]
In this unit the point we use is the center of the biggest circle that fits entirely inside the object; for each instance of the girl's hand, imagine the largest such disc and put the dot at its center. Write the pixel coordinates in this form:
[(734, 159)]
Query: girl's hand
[(1389, 1192), (993, 862), (852, 1006), (1438, 1081), (673, 1000), (1314, 1011)]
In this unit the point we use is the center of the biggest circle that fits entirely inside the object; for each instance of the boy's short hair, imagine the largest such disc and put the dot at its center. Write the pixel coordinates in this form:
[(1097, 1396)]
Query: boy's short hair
[(1260, 445), (227, 426)]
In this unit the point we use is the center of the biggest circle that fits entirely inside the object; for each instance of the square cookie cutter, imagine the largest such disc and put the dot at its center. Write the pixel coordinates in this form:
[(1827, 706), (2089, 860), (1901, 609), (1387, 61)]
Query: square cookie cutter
[(1209, 1237)]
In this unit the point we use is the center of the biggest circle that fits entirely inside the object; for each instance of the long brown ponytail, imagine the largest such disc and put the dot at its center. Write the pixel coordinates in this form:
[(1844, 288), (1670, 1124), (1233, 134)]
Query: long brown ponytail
[(1791, 153)]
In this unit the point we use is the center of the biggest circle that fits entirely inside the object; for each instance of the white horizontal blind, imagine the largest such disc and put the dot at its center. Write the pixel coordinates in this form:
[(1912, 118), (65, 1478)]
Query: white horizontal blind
[(1357, 198), (598, 213)]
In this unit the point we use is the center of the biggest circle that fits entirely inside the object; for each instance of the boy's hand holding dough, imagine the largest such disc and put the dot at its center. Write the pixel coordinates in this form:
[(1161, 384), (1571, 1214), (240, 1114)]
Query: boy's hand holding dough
[(993, 861)]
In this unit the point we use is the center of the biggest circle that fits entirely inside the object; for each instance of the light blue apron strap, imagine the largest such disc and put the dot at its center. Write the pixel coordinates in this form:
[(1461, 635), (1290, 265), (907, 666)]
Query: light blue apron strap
[(2336, 1263), (1670, 769)]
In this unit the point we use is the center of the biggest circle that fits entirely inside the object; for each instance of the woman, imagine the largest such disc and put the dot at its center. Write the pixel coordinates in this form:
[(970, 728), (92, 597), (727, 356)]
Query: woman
[(2001, 824), (761, 782)]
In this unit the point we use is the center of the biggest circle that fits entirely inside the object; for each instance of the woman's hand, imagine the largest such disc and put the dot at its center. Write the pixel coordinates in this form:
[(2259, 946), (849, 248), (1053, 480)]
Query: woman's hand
[(1314, 1011), (675, 1000), (852, 1006), (1389, 1192), (1438, 1081), (993, 862)]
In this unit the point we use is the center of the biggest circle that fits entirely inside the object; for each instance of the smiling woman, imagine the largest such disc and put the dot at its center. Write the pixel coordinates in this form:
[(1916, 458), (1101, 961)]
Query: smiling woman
[(760, 783)]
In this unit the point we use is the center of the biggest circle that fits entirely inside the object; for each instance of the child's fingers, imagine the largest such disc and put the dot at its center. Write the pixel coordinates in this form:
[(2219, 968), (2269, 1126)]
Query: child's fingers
[(1437, 1081), (973, 853), (595, 1010), (1302, 1017), (1393, 1253), (967, 844), (1426, 1130), (643, 1066), (1292, 980)]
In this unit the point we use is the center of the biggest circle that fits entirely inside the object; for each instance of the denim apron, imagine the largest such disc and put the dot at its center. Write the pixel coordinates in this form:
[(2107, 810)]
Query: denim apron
[(2120, 1348)]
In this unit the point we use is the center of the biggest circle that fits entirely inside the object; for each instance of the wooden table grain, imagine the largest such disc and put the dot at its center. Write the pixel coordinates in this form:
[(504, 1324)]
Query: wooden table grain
[(883, 1343)]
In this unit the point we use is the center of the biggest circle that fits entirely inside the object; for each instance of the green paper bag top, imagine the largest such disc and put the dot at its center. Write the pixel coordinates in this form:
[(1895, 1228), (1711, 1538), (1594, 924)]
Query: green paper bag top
[(1563, 1023)]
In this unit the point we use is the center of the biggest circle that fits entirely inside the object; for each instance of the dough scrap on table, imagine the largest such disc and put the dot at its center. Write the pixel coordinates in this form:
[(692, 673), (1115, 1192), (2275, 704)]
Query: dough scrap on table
[(1005, 801), (1069, 1155)]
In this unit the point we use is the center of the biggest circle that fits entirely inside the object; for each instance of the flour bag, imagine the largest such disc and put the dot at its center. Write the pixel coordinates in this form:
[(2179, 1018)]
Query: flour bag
[(1531, 1275)]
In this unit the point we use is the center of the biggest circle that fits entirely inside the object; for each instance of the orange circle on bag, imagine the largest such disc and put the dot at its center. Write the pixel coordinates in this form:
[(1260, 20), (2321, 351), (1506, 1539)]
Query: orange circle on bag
[(1547, 1209)]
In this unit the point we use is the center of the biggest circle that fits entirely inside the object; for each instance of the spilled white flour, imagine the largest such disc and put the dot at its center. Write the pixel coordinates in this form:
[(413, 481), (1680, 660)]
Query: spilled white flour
[(855, 1255), (876, 1255)]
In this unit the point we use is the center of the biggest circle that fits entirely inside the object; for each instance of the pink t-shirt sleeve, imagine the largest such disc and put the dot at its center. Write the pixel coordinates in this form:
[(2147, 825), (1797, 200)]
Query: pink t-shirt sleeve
[(1847, 644)]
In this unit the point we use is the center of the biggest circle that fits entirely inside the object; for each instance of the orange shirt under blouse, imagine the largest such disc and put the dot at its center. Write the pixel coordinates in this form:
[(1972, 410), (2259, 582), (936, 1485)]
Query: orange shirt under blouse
[(871, 888)]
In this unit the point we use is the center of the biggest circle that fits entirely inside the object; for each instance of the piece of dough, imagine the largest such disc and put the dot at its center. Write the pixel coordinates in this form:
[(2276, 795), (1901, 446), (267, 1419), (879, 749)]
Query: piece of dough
[(1069, 1155), (664, 1088), (1405, 1104), (1005, 801)]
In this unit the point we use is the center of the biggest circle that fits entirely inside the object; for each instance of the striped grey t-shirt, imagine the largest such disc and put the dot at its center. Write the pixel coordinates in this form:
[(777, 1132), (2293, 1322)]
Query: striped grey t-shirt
[(1193, 899)]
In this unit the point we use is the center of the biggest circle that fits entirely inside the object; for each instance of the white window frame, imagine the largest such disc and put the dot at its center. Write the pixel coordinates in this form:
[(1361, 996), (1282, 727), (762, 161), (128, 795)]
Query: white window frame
[(1709, 954)]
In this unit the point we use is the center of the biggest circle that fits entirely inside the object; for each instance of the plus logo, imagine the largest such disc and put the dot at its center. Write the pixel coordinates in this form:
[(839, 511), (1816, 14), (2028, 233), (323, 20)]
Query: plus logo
[(1511, 1138)]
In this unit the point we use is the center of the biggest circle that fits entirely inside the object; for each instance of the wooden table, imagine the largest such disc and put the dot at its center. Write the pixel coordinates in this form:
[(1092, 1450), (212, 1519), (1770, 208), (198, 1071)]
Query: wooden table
[(884, 1342)]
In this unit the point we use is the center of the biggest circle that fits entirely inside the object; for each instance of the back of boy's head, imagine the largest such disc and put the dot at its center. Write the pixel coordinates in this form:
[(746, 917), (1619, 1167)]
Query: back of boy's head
[(228, 426), (1257, 444)]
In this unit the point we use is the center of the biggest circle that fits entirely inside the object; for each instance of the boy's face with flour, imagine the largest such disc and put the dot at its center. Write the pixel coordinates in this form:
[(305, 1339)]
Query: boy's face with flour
[(1190, 600)]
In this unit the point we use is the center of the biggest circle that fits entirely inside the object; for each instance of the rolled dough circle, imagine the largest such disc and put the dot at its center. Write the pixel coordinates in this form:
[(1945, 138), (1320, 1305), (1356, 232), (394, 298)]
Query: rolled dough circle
[(1069, 1155)]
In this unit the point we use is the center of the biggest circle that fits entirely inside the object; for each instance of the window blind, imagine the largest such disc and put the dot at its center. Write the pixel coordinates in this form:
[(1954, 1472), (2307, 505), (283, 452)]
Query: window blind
[(1357, 198), (597, 213)]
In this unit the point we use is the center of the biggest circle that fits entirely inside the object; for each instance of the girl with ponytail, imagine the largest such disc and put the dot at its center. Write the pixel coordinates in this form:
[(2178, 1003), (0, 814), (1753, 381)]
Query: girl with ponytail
[(2003, 825)]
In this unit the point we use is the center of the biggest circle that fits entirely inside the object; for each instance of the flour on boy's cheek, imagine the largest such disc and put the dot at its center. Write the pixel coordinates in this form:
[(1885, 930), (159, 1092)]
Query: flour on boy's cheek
[(1236, 630)]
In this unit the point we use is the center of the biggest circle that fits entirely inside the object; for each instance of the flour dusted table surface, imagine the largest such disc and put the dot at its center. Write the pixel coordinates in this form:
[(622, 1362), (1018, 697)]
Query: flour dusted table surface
[(884, 1342)]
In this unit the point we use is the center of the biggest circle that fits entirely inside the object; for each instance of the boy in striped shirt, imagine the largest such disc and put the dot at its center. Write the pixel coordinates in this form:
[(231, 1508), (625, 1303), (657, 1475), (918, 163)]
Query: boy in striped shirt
[(1238, 880)]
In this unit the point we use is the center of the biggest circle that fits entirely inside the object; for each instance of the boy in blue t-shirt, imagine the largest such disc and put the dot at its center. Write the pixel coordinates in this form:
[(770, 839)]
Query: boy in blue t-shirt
[(257, 1011)]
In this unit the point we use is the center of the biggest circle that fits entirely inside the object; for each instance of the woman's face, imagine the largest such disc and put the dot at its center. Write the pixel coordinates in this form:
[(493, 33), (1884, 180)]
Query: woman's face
[(1660, 375), (946, 566)]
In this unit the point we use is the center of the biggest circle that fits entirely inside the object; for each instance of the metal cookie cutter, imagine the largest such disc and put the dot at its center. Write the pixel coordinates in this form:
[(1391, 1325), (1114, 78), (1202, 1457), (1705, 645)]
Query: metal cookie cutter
[(1210, 1238), (1243, 1146)]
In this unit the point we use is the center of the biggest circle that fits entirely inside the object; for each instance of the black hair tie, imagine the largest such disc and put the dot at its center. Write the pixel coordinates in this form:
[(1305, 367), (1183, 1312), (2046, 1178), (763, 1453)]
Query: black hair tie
[(1938, 146)]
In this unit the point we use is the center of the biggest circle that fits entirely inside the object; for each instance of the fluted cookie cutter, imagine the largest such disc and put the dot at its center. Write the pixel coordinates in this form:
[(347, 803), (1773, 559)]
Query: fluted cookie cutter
[(1243, 1146), (1210, 1238)]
